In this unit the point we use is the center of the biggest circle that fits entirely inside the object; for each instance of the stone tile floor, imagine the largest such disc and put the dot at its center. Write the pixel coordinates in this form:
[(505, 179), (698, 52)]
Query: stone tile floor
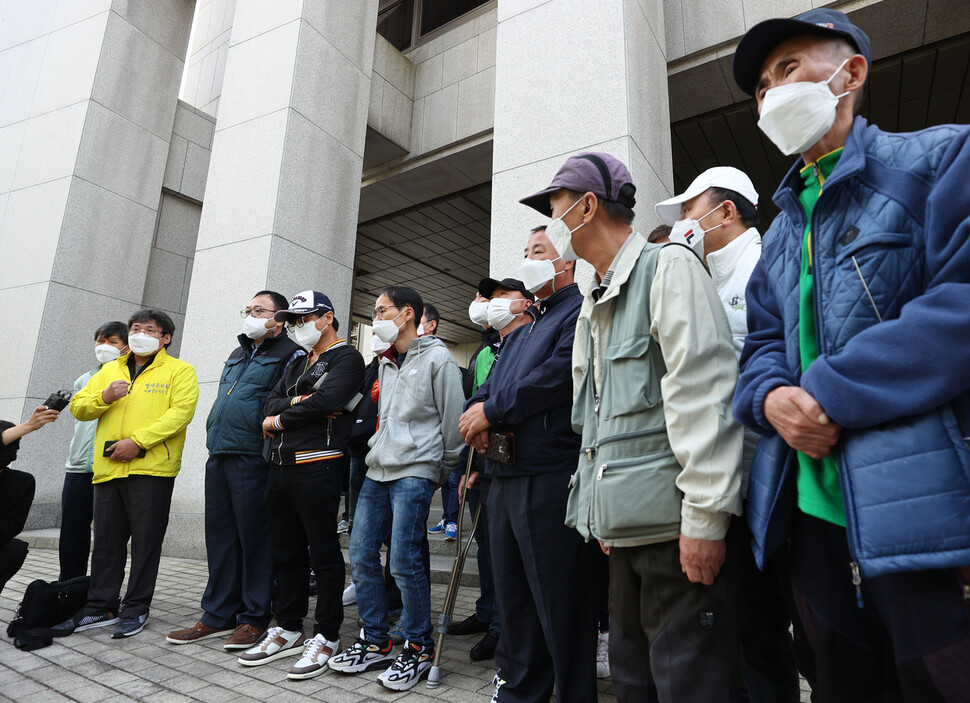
[(92, 667)]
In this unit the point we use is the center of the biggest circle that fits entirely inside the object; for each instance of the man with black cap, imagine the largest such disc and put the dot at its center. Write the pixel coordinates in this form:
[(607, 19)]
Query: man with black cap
[(659, 471), (542, 570), (310, 417), (485, 618), (864, 281)]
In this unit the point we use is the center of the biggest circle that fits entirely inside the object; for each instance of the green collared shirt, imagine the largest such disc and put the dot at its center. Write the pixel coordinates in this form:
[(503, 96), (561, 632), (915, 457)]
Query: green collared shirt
[(819, 491)]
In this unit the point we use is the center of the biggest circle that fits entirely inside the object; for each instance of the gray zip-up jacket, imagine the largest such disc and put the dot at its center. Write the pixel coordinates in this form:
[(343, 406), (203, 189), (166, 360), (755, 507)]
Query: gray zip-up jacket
[(418, 409)]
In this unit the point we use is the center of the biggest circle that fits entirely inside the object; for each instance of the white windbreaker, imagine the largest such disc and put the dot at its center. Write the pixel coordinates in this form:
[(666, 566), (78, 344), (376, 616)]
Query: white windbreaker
[(731, 268)]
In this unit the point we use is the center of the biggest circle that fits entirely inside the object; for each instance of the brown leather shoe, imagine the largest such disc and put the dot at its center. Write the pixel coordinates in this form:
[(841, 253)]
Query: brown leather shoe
[(245, 636), (200, 631)]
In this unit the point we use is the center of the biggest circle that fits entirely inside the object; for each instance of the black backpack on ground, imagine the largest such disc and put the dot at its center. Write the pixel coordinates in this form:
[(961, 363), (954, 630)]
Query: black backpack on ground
[(44, 605)]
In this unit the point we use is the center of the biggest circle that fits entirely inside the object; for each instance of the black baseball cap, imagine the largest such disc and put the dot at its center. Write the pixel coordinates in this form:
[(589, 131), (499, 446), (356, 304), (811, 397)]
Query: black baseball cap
[(760, 40), (487, 286), (603, 175), (303, 304)]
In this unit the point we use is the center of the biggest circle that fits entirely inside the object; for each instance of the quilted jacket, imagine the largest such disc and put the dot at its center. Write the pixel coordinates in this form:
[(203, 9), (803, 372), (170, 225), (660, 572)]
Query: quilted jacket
[(891, 265)]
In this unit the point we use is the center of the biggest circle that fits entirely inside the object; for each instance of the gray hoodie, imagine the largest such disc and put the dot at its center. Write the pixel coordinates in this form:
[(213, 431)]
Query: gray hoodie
[(419, 407)]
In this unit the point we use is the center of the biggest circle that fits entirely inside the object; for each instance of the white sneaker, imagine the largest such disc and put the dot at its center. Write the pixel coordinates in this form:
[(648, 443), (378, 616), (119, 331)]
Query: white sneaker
[(316, 654), (362, 656), (350, 594), (412, 665), (603, 656), (277, 643)]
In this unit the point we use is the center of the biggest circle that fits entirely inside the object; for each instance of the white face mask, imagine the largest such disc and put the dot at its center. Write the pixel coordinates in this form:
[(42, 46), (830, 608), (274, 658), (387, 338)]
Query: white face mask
[(478, 312), (254, 327), (500, 313), (377, 346), (561, 237), (421, 331), (796, 115), (308, 335), (691, 233), (535, 273), (143, 344), (106, 353), (387, 330)]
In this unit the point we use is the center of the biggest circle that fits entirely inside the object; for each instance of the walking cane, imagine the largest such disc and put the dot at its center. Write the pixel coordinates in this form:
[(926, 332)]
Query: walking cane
[(444, 620)]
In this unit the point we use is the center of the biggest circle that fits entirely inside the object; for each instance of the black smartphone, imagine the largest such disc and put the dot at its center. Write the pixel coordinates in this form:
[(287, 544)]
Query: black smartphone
[(111, 442)]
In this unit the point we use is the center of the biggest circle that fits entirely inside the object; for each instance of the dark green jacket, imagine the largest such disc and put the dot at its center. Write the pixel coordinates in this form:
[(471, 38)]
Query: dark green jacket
[(234, 423)]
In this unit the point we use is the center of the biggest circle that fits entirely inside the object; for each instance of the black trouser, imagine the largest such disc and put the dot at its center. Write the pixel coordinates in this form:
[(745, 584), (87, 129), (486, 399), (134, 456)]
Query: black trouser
[(12, 556), (603, 591), (681, 636), (484, 559), (77, 513), (237, 544), (910, 640), (16, 495), (770, 659), (135, 507), (544, 577), (302, 502)]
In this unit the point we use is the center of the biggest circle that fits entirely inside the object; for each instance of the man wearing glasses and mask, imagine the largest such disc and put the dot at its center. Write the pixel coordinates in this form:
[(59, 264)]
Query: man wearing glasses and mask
[(310, 416), (143, 402), (237, 597)]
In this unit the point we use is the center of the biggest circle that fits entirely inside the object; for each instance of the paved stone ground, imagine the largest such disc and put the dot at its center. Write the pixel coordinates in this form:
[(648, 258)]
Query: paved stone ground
[(92, 667)]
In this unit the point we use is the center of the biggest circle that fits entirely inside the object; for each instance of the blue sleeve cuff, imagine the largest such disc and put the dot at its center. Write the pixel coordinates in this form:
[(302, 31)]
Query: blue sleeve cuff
[(758, 403), (488, 407)]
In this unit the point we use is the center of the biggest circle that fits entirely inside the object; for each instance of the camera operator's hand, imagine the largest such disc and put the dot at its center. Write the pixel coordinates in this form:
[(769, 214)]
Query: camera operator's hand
[(115, 391), (40, 417), (124, 450)]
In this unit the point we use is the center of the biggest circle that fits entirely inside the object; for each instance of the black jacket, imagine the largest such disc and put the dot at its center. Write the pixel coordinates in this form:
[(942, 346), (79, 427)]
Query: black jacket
[(307, 435), (366, 424), (16, 491), (8, 452), (530, 389)]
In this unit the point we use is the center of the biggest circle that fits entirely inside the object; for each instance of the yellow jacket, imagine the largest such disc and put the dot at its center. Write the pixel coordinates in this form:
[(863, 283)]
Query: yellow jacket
[(159, 406)]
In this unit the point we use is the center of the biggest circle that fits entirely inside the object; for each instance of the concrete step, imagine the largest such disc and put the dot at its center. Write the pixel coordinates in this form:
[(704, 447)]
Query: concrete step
[(442, 554), (437, 545), (48, 538)]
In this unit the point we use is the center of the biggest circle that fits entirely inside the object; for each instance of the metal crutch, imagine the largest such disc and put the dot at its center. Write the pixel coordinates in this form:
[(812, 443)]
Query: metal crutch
[(444, 620)]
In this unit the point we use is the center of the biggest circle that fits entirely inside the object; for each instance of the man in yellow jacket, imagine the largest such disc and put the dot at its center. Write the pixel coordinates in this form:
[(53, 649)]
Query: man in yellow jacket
[(143, 402)]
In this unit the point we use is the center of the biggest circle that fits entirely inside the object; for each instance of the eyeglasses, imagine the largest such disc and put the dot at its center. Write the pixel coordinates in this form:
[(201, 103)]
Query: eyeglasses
[(380, 310), (150, 331), (255, 312), (298, 323)]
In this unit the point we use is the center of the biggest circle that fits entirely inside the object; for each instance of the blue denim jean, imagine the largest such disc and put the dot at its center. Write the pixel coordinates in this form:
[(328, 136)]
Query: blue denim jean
[(449, 496), (402, 506)]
